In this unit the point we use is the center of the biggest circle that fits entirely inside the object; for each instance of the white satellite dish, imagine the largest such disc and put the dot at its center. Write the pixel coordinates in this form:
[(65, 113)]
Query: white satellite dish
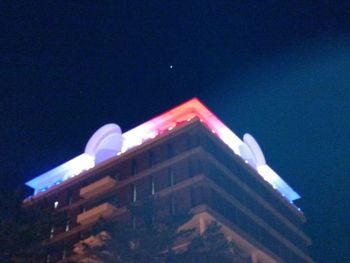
[(255, 149), (105, 143), (246, 153)]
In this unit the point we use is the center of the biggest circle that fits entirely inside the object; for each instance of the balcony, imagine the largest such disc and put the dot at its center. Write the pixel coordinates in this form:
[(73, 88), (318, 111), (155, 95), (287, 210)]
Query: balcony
[(93, 241), (104, 211), (100, 186)]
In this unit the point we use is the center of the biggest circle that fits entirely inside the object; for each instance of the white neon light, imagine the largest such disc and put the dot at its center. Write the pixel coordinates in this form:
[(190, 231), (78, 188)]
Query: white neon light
[(273, 178), (61, 173), (231, 139)]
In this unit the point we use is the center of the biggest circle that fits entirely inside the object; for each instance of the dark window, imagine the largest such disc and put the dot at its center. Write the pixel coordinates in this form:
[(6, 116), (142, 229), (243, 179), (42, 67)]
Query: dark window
[(171, 176), (114, 201), (133, 219), (188, 141), (133, 167), (116, 176), (151, 160), (193, 196), (70, 197), (191, 168), (170, 151), (172, 205), (64, 253)]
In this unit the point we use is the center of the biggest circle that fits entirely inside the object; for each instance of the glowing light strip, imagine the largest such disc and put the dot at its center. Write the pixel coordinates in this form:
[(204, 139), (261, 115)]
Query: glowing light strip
[(151, 129), (61, 173)]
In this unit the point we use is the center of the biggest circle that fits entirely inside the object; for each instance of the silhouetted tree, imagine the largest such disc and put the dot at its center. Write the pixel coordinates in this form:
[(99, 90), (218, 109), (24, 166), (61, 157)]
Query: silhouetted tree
[(210, 247), (149, 240), (143, 241), (21, 230)]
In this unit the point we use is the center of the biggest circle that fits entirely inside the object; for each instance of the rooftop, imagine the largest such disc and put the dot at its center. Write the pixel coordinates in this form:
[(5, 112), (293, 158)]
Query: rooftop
[(109, 141)]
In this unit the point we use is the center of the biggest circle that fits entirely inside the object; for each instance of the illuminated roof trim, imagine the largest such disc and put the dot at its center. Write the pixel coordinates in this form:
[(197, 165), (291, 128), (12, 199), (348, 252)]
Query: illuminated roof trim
[(61, 173), (154, 127)]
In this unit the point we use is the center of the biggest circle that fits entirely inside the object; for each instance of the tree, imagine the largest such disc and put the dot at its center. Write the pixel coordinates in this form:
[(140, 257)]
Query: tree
[(21, 230), (210, 247), (143, 241), (153, 241)]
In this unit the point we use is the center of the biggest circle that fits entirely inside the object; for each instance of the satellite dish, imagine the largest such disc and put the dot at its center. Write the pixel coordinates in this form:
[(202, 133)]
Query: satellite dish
[(255, 149), (246, 153), (105, 143)]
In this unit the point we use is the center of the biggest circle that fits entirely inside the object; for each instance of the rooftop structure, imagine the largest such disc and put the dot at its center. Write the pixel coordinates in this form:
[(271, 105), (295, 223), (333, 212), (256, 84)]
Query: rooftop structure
[(108, 142)]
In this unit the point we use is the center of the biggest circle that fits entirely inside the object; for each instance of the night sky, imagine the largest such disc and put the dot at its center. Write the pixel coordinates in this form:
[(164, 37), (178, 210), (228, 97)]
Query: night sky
[(279, 70)]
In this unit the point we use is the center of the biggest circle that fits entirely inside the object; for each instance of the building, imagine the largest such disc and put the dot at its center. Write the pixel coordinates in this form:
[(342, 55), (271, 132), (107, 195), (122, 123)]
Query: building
[(194, 163)]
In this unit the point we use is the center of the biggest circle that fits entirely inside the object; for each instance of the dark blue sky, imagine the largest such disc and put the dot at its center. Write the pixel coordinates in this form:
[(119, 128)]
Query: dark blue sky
[(276, 69)]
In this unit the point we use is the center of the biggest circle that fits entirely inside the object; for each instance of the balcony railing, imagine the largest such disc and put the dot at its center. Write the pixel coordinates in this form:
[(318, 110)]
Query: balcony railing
[(104, 211), (92, 241), (100, 186)]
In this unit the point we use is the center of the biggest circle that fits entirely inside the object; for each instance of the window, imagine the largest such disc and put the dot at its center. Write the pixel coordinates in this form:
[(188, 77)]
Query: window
[(191, 168), (170, 151), (133, 167), (67, 224), (153, 186), (116, 176), (64, 253), (70, 198), (133, 219), (151, 160), (114, 201), (134, 193), (193, 197), (52, 232), (171, 176), (188, 141), (172, 205)]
